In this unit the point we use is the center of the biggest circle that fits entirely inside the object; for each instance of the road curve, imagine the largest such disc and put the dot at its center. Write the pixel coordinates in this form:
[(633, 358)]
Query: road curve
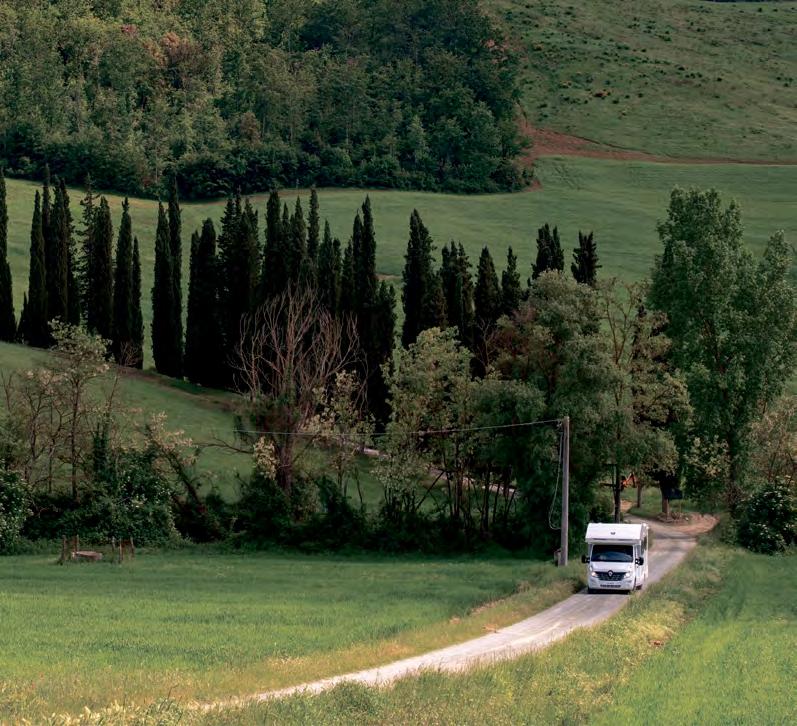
[(578, 611)]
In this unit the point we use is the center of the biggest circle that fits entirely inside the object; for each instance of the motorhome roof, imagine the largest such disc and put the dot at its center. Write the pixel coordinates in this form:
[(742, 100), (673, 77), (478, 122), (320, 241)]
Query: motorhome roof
[(614, 532)]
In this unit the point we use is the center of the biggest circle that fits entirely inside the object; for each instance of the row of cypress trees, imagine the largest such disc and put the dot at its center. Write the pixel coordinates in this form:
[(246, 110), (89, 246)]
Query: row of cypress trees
[(448, 297), (233, 274), (75, 284)]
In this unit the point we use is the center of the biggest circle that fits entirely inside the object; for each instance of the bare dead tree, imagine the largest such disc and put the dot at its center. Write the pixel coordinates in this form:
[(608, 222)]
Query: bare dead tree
[(290, 352)]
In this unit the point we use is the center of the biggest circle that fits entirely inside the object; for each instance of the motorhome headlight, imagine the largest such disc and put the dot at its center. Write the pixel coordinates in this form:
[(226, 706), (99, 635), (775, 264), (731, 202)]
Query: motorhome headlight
[(593, 573), (626, 575)]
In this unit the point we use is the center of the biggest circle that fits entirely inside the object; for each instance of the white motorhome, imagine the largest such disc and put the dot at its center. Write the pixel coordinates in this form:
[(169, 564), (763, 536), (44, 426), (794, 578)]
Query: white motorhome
[(617, 556)]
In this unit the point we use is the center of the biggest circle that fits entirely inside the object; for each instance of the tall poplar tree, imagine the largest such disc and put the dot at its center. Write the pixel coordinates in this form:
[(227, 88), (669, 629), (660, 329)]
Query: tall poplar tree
[(511, 293), (36, 331), (166, 344), (8, 324), (204, 336), (422, 291), (585, 260), (122, 328), (99, 312), (136, 318)]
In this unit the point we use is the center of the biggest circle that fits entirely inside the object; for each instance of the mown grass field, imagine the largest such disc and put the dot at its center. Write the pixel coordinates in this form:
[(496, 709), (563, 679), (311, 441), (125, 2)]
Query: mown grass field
[(200, 624), (686, 78), (621, 201), (713, 643)]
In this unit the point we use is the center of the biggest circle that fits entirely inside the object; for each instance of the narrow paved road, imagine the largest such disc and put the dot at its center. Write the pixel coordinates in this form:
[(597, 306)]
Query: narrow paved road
[(580, 610)]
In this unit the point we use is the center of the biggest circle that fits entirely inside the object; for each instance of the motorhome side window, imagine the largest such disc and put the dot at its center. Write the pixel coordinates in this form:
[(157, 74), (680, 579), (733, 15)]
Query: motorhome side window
[(612, 553)]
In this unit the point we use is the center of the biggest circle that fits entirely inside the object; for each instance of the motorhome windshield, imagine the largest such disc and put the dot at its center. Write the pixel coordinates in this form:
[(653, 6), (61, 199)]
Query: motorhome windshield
[(612, 553)]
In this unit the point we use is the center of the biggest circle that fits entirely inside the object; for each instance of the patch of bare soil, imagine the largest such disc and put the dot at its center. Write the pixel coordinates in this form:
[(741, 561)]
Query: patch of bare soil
[(547, 142)]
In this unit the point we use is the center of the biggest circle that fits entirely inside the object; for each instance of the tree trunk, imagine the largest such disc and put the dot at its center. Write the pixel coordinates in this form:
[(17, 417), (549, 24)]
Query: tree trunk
[(618, 488), (665, 505), (638, 492)]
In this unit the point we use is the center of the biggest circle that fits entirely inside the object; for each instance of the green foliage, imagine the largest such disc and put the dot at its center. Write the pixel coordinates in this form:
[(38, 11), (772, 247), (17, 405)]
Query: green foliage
[(554, 345), (457, 285), (549, 252), (204, 341), (35, 329), (166, 345), (768, 518), (584, 267), (487, 295), (57, 229), (13, 508), (732, 321), (422, 294), (100, 300), (8, 323), (136, 318), (511, 293), (229, 97), (122, 326)]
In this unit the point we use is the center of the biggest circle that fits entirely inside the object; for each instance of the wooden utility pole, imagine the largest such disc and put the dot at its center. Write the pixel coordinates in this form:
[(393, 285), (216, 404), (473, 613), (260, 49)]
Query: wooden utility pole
[(565, 490)]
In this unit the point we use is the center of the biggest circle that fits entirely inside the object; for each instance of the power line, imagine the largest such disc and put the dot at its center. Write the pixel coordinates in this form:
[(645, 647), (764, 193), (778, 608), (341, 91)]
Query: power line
[(427, 432)]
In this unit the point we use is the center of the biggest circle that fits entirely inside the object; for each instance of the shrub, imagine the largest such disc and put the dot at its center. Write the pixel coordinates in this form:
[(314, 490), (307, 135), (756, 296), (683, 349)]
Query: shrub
[(13, 509), (768, 519)]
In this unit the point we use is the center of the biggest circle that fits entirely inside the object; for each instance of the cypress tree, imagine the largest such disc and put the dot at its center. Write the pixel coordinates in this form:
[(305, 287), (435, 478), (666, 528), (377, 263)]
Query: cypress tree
[(176, 247), (136, 318), (23, 319), (487, 296), (88, 203), (122, 328), (585, 260), (8, 323), (549, 251), (329, 271), (204, 337), (274, 274), (458, 290), (239, 260), (511, 293), (422, 294), (99, 313), (347, 304), (36, 330), (313, 228), (57, 233), (298, 244), (365, 261), (166, 346), (74, 305)]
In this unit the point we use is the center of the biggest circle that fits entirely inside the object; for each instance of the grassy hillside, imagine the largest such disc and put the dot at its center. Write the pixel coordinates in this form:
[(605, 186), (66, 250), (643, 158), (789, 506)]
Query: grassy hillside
[(675, 77), (621, 201)]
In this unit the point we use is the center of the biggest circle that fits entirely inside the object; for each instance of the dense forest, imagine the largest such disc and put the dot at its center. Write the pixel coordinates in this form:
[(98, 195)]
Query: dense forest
[(245, 95)]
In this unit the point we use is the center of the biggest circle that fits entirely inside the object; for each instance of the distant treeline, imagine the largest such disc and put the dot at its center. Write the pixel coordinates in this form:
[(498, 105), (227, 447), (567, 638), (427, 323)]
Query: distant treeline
[(248, 95)]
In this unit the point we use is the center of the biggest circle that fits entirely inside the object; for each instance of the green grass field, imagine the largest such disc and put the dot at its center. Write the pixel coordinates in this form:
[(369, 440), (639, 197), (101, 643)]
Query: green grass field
[(200, 624), (621, 201), (714, 643), (684, 78)]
